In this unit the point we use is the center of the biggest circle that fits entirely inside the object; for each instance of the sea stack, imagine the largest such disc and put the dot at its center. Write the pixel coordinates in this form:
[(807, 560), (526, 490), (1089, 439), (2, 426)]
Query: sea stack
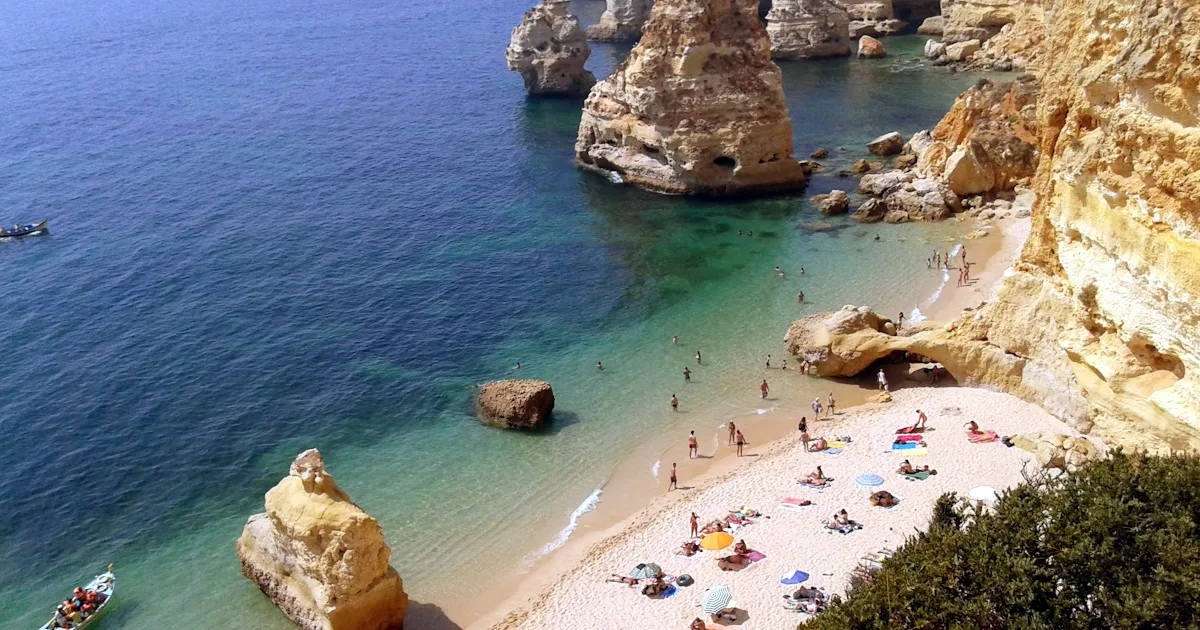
[(697, 108), (549, 49), (621, 21), (808, 29), (320, 557)]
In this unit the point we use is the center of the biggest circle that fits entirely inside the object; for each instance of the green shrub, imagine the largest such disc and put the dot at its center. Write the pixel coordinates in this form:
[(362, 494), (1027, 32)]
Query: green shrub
[(1116, 545)]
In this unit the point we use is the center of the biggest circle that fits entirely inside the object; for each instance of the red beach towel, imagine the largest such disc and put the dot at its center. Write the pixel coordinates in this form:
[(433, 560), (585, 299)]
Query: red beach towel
[(982, 437), (909, 438)]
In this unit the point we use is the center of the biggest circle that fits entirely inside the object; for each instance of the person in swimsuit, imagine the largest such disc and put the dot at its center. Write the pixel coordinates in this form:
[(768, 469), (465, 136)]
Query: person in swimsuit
[(741, 441), (687, 375), (698, 362), (695, 525), (830, 403), (921, 420), (674, 403), (803, 428), (674, 479), (768, 360), (600, 366), (692, 446), (675, 339), (882, 378), (732, 431), (764, 388), (799, 297)]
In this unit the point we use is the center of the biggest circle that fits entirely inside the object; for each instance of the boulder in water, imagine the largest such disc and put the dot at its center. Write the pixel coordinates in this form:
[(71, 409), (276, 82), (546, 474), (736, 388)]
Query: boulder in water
[(515, 404)]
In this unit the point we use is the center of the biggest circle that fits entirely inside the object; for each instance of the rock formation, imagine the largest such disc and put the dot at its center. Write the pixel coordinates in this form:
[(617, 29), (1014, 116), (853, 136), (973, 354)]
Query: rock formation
[(320, 557), (808, 29), (988, 141), (977, 19), (871, 17), (621, 21), (515, 404), (870, 47), (916, 11), (696, 108), (836, 202), (932, 26), (549, 49), (1018, 46), (887, 144)]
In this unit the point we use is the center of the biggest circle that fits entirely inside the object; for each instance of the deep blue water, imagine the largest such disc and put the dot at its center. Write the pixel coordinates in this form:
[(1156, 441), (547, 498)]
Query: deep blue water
[(278, 224)]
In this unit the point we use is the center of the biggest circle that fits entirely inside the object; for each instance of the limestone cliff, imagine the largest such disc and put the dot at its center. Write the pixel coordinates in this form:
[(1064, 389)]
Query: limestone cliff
[(1018, 45), (977, 19), (621, 21), (320, 557), (987, 143), (549, 49), (1097, 322), (808, 29), (870, 17), (696, 108)]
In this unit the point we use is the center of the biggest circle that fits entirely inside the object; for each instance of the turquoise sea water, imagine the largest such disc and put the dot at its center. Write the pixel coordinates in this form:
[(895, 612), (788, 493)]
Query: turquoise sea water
[(315, 224)]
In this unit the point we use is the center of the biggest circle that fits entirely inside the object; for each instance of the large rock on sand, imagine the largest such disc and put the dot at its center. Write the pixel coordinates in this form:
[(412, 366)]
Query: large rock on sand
[(320, 557), (840, 343), (696, 108), (517, 404), (549, 49)]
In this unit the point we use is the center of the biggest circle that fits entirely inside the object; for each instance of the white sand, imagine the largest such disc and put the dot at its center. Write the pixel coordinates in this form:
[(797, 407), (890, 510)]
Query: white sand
[(580, 599)]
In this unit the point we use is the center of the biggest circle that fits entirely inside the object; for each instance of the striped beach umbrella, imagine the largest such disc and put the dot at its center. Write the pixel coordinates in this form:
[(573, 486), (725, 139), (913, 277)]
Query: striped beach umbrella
[(870, 479), (646, 571), (717, 540), (716, 599)]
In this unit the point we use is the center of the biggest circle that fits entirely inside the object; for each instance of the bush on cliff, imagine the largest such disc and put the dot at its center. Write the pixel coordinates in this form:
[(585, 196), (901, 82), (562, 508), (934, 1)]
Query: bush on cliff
[(1116, 545)]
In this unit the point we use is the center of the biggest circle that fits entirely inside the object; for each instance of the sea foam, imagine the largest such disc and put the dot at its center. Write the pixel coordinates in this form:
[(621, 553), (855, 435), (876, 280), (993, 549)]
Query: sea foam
[(588, 505)]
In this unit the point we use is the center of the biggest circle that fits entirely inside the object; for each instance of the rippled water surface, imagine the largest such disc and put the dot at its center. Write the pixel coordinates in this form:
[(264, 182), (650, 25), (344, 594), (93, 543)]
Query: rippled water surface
[(286, 225)]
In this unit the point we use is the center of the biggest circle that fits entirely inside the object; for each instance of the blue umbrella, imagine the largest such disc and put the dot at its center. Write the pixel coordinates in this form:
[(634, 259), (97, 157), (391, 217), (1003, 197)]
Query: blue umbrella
[(795, 577), (870, 479)]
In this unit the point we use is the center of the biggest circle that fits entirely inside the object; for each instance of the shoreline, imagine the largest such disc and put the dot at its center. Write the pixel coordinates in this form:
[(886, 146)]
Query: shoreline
[(625, 496)]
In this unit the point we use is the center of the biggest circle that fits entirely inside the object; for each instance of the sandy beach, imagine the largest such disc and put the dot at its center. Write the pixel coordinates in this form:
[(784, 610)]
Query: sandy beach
[(793, 538)]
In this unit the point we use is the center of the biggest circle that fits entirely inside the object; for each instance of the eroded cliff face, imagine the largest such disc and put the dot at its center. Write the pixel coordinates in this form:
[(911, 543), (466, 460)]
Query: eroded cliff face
[(977, 19), (696, 108), (320, 557), (1106, 300), (549, 49), (621, 21), (808, 29)]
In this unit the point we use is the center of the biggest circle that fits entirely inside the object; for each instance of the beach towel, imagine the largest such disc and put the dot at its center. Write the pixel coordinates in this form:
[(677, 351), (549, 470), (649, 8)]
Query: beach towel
[(795, 502), (836, 444), (909, 437), (912, 428), (833, 451), (669, 593), (982, 437), (920, 451), (846, 529), (755, 556), (793, 507), (903, 446), (917, 476), (805, 484)]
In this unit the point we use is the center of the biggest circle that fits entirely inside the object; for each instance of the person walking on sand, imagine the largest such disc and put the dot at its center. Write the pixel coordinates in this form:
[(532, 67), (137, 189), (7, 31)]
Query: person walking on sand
[(764, 388), (768, 360), (693, 451), (921, 420), (816, 407), (732, 431), (695, 526), (803, 428), (882, 378), (687, 375), (741, 442), (697, 357), (674, 403), (830, 404), (784, 366), (674, 480)]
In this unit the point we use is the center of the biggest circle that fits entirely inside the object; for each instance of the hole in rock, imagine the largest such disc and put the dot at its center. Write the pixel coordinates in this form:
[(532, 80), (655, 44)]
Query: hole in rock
[(725, 162)]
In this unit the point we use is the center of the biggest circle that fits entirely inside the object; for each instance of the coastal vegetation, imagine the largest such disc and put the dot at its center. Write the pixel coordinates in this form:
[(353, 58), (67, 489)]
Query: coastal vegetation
[(1116, 545)]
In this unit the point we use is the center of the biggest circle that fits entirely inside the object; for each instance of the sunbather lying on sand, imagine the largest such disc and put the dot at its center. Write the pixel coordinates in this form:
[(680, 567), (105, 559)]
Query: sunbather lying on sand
[(883, 498), (817, 445), (729, 614), (814, 478), (733, 562), (654, 587), (805, 592), (713, 527), (689, 549), (630, 582)]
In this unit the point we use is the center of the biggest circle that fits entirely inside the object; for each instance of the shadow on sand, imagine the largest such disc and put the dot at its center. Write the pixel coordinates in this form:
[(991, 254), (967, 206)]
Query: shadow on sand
[(428, 617)]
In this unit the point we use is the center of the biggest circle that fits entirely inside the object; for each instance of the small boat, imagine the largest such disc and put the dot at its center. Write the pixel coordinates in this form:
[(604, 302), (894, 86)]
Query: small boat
[(15, 231), (104, 584)]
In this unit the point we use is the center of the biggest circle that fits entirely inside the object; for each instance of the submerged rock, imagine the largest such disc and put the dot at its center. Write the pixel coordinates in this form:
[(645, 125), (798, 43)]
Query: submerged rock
[(515, 404), (549, 49), (696, 108), (870, 47), (320, 557), (808, 29)]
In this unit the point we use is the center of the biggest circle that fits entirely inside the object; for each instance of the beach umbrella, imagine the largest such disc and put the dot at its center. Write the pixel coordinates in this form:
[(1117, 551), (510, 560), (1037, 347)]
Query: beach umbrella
[(987, 494), (716, 599), (646, 571), (793, 577), (870, 479), (717, 540)]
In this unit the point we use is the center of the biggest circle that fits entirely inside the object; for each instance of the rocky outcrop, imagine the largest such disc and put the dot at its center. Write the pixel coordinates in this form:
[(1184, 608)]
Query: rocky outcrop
[(932, 26), (696, 108), (871, 211), (836, 202), (549, 49), (1018, 46), (887, 144), (1058, 450), (320, 557), (987, 142), (621, 21), (808, 29), (869, 47), (516, 404), (977, 19), (871, 17)]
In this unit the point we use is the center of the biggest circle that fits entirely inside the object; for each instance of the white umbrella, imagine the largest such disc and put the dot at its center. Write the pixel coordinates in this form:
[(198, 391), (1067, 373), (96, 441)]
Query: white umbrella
[(987, 494), (716, 599)]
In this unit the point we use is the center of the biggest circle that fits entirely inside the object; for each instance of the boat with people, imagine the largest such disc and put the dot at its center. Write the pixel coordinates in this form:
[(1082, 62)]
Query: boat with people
[(39, 228), (85, 604)]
